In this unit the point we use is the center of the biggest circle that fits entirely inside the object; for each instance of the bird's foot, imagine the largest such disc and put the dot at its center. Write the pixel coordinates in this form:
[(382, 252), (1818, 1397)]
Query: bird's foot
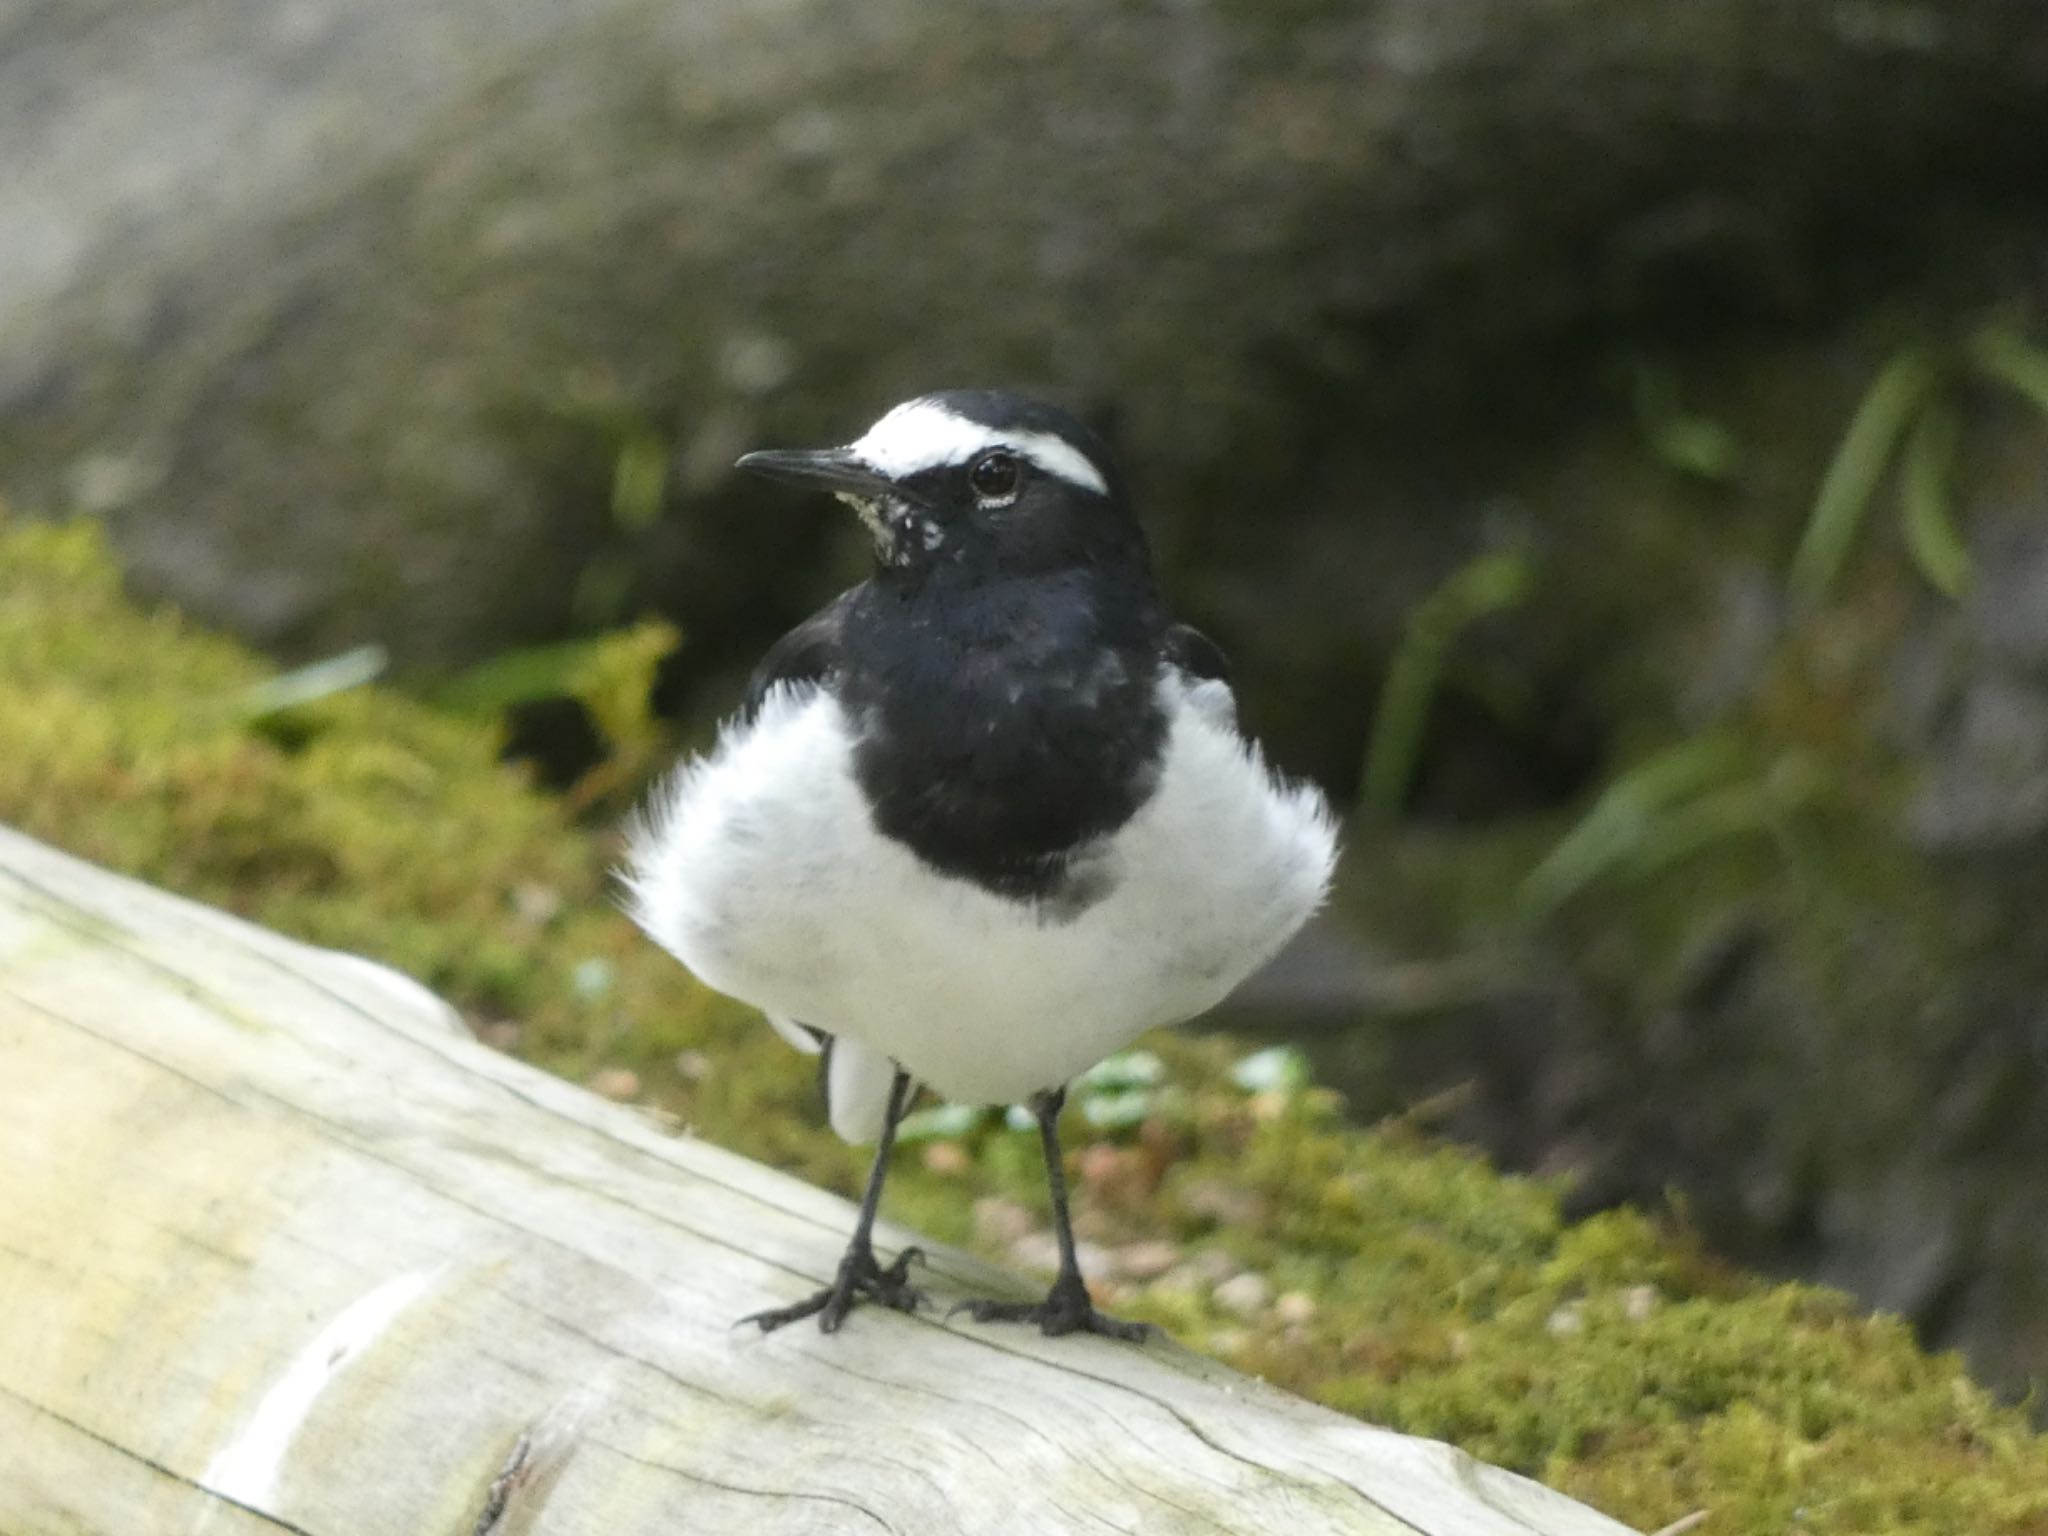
[(1066, 1309), (860, 1278)]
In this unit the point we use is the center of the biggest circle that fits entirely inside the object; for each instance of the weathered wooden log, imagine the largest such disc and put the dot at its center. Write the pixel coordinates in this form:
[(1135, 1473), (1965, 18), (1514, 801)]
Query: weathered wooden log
[(282, 1249)]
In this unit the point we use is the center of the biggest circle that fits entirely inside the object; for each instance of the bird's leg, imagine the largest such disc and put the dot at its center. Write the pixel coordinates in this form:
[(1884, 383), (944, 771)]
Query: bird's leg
[(860, 1276), (1067, 1307)]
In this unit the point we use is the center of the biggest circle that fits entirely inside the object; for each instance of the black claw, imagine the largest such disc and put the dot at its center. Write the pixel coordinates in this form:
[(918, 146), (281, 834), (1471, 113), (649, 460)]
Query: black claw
[(778, 1317), (859, 1279), (1066, 1309)]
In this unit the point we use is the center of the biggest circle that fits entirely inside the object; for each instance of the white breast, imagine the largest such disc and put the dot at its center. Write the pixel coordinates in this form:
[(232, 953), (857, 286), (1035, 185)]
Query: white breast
[(759, 868)]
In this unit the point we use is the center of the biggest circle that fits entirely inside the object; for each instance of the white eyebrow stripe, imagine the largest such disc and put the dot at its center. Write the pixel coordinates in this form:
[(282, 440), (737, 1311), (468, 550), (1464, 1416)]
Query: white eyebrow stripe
[(925, 435)]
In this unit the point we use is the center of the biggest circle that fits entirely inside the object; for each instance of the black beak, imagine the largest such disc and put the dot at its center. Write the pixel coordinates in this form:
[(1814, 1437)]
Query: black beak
[(828, 469)]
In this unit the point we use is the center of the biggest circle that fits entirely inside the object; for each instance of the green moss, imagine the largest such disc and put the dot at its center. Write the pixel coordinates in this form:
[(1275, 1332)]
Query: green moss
[(365, 821), (1417, 1287)]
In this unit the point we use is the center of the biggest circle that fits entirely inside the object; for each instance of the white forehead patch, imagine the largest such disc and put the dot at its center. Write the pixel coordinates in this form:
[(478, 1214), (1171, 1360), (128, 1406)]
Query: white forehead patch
[(923, 434)]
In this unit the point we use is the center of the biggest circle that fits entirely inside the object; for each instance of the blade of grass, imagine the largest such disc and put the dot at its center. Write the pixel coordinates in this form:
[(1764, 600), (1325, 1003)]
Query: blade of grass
[(1851, 479), (1740, 810), (639, 481), (1622, 822), (317, 680), (1480, 587), (2014, 361), (1924, 503), (611, 675), (1687, 441)]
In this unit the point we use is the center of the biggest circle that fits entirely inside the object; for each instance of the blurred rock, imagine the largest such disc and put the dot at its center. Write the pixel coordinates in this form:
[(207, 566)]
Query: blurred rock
[(1244, 1296), (348, 314), (1295, 1308), (1040, 1252), (1144, 1261), (1000, 1222), (618, 1083), (1199, 1274), (1974, 700)]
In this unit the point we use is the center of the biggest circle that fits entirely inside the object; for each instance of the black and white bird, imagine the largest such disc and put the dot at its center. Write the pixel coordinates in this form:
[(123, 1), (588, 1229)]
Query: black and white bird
[(986, 816)]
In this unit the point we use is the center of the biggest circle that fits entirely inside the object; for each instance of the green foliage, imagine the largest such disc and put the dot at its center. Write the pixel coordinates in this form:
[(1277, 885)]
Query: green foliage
[(1482, 586), (277, 697), (1691, 796), (639, 480), (610, 675), (1910, 402), (639, 455), (1414, 1284), (1276, 1069), (1859, 463), (2012, 360), (1118, 1093), (1931, 536), (1693, 444)]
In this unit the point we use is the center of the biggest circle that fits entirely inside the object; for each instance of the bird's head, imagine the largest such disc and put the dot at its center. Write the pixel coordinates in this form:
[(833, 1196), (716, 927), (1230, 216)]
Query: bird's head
[(975, 478)]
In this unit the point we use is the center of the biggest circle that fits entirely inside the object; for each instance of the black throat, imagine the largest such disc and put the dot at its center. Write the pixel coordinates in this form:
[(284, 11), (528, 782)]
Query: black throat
[(1005, 726)]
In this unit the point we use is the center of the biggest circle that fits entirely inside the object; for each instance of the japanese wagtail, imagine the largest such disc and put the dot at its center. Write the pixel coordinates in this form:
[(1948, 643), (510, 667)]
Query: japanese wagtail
[(984, 817)]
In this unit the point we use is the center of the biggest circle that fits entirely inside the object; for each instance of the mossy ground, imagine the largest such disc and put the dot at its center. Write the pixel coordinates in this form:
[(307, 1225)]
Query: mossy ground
[(1398, 1279)]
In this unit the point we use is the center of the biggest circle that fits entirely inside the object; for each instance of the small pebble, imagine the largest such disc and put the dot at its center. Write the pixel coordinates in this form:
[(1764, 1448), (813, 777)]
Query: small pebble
[(537, 905), (1268, 1107), (1228, 1341), (947, 1157), (1000, 1221), (592, 978), (1101, 1164), (1041, 1251), (693, 1066), (1566, 1322), (1245, 1295), (663, 1119), (1639, 1303), (1144, 1261), (1295, 1308), (1035, 1250), (619, 1083)]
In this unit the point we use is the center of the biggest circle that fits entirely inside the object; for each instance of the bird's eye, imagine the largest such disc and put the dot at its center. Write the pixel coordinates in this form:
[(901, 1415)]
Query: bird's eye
[(995, 477)]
